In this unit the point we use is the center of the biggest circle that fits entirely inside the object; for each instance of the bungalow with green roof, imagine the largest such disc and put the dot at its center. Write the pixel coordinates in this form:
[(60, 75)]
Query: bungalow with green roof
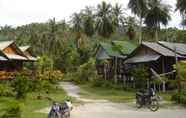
[(110, 59)]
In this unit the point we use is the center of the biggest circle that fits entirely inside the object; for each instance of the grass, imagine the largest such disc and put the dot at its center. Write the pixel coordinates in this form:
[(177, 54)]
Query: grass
[(31, 104), (114, 95)]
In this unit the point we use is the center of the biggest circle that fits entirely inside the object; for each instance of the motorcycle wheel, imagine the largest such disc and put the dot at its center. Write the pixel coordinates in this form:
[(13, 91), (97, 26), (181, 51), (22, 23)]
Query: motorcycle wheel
[(138, 103), (154, 105)]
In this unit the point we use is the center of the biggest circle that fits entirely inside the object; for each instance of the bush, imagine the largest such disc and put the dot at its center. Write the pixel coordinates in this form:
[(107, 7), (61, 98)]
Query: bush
[(13, 111), (6, 90), (140, 77), (180, 98), (87, 71), (97, 83), (52, 75), (46, 85), (21, 86)]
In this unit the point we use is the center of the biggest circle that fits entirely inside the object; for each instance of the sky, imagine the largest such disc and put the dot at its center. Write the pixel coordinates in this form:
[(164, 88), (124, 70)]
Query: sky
[(21, 12)]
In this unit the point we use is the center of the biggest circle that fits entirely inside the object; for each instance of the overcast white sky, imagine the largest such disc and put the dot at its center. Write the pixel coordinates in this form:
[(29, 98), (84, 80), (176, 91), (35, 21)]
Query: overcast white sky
[(20, 12)]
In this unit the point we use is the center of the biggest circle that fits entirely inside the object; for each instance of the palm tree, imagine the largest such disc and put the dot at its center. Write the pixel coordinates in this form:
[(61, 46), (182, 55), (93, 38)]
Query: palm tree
[(88, 21), (156, 15), (77, 27), (181, 6), (104, 24), (139, 8), (131, 24), (117, 13)]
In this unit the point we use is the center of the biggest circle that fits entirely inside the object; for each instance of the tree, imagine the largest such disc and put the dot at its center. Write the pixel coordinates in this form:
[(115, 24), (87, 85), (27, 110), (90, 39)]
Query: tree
[(77, 28), (156, 15), (21, 86), (181, 73), (181, 6), (131, 26), (117, 13), (139, 8), (104, 24), (88, 21)]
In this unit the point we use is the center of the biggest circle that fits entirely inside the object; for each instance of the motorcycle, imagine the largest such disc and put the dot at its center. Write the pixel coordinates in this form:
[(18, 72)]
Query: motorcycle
[(59, 111), (147, 98)]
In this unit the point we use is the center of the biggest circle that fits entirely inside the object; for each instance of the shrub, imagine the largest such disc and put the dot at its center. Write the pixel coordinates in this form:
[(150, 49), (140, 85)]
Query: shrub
[(140, 77), (13, 111), (52, 75), (180, 97), (6, 90), (34, 85), (97, 83), (86, 72), (20, 86), (46, 85)]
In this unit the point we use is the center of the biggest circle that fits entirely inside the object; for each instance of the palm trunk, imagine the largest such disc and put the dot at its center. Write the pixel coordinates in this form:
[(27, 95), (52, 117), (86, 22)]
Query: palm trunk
[(140, 37), (156, 35)]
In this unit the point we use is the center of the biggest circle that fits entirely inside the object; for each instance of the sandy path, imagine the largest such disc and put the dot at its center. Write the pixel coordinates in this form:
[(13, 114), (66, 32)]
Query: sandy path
[(107, 109)]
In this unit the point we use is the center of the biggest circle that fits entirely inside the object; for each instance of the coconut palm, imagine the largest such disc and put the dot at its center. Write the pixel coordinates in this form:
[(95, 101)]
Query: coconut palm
[(131, 26), (77, 27), (88, 21), (181, 6), (139, 8), (157, 14), (104, 24), (117, 13)]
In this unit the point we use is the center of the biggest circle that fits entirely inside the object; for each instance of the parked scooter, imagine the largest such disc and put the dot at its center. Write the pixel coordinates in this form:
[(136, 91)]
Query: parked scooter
[(147, 98), (60, 110)]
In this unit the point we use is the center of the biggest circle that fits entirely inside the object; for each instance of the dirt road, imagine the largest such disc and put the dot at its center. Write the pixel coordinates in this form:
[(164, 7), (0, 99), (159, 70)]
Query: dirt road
[(107, 109)]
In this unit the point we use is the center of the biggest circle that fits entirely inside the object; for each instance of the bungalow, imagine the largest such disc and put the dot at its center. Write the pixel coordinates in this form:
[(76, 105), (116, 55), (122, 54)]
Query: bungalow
[(110, 59), (159, 56), (11, 59)]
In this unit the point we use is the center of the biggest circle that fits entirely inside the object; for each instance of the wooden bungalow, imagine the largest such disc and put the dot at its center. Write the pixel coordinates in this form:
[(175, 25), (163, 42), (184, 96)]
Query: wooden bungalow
[(159, 56), (110, 59), (11, 59)]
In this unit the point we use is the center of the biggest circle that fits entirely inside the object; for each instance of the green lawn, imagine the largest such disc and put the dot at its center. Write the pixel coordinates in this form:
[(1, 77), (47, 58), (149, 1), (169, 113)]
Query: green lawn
[(114, 95), (32, 104)]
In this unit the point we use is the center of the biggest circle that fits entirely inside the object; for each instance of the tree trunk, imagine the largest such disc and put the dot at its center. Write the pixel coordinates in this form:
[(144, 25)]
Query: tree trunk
[(164, 87), (115, 71), (105, 72), (156, 35), (140, 37)]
